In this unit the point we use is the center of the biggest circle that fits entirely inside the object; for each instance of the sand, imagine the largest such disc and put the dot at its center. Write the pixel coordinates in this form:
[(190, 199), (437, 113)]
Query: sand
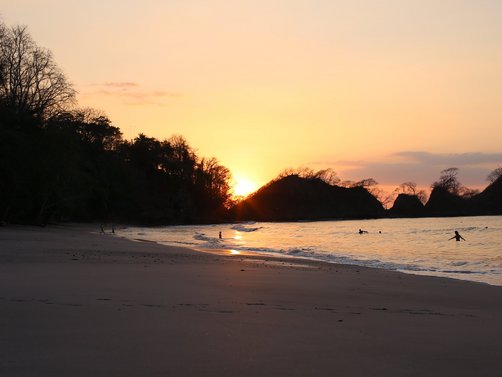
[(74, 303)]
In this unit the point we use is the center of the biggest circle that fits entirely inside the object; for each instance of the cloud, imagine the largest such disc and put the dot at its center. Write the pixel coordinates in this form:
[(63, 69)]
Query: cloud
[(132, 93), (418, 166), (120, 84), (462, 159)]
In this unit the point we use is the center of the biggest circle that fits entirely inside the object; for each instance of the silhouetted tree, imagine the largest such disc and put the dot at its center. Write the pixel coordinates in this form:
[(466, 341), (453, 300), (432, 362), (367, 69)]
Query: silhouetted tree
[(448, 181), (144, 153), (410, 188), (96, 129), (30, 81), (327, 175), (183, 158), (494, 174), (3, 62), (212, 185), (366, 183), (302, 172)]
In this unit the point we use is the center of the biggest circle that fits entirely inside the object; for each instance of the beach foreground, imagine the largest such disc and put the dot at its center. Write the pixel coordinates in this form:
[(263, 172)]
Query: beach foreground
[(76, 303)]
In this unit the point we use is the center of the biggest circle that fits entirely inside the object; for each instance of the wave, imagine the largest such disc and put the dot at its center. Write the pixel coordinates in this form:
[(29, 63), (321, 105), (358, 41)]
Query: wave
[(462, 272), (210, 242), (313, 254), (243, 228), (459, 263)]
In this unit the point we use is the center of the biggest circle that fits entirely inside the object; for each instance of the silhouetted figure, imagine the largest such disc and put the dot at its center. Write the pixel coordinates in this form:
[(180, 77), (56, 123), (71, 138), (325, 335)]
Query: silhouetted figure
[(362, 231), (457, 237), (102, 229), (219, 236), (113, 229)]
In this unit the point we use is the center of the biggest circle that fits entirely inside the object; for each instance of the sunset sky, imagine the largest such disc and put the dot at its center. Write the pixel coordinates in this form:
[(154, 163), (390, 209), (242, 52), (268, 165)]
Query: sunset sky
[(394, 90)]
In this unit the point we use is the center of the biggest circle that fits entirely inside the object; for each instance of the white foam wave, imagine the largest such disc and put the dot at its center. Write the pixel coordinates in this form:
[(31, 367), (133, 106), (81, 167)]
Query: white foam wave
[(209, 242), (243, 228)]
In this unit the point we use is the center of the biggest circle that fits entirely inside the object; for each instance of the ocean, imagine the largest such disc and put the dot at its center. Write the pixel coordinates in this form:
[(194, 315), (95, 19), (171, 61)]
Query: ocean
[(416, 246)]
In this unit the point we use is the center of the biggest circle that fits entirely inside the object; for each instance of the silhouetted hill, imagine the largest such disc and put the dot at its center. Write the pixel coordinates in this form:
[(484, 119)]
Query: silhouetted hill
[(294, 198), (489, 201), (407, 205), (443, 203)]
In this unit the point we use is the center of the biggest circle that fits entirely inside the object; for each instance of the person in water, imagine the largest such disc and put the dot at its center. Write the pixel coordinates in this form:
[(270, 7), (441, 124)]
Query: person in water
[(362, 231), (219, 236), (457, 237)]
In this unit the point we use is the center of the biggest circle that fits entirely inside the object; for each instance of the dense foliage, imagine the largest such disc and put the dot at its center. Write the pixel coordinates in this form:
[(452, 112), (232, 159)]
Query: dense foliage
[(71, 167), (61, 164)]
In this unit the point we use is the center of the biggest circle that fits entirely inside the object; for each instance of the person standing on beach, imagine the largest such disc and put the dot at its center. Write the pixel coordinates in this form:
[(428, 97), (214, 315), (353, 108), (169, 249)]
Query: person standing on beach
[(457, 237)]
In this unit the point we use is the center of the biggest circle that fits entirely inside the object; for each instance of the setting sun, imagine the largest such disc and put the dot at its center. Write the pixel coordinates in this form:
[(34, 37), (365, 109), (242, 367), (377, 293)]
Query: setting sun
[(243, 187)]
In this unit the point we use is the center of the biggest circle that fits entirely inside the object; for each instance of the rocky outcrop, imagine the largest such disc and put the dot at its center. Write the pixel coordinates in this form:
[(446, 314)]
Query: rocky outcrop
[(443, 203), (489, 201), (407, 205), (294, 198)]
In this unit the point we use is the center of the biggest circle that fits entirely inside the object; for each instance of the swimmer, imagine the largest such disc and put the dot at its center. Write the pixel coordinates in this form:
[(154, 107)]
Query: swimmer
[(457, 237), (362, 231)]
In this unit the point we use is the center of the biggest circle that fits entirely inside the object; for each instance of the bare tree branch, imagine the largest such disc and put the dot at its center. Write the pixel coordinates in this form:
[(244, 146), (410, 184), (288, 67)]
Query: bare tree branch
[(30, 81)]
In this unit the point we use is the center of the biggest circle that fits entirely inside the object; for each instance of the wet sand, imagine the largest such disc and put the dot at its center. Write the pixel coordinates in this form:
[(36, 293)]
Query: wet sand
[(74, 303)]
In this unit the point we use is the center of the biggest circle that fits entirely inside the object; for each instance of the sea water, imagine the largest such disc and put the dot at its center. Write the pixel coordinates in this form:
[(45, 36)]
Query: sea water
[(417, 246)]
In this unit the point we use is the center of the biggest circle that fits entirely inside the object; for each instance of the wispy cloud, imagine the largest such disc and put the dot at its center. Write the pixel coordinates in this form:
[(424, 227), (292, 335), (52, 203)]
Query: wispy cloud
[(474, 158), (123, 85), (418, 166), (132, 93)]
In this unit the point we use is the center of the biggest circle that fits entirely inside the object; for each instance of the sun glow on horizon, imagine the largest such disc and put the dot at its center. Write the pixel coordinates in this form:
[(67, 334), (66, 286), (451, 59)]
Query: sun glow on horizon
[(244, 187)]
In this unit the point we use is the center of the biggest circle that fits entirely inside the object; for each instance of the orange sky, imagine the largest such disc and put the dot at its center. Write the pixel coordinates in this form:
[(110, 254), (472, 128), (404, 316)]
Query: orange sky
[(394, 90)]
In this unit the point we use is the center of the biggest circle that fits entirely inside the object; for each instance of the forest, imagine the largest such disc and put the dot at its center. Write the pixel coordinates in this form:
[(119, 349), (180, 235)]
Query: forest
[(60, 163)]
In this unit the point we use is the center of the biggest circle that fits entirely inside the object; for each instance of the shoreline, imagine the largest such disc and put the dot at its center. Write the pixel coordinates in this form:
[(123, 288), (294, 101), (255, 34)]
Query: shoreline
[(265, 256), (413, 247), (80, 303)]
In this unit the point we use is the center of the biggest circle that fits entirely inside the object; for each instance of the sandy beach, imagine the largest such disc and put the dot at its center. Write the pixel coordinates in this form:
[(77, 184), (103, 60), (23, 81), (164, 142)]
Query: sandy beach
[(77, 303)]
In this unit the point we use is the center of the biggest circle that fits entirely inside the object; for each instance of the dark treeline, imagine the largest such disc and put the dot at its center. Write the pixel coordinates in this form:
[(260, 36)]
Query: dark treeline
[(73, 167), (58, 163)]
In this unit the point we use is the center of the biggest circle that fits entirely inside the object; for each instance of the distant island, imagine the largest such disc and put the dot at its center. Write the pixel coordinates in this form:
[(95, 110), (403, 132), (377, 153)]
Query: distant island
[(293, 198)]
